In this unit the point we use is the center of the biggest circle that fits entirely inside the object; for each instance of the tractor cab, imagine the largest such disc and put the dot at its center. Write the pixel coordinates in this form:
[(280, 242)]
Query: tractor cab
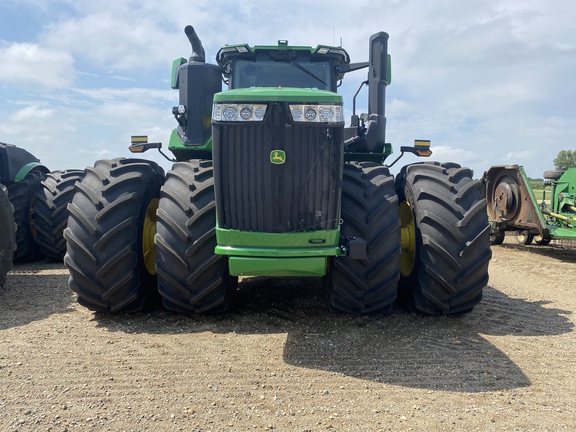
[(282, 66)]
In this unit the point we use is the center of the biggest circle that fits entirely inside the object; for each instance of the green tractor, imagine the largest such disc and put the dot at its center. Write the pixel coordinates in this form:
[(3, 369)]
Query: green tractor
[(268, 181), (22, 174), (513, 206), (39, 199)]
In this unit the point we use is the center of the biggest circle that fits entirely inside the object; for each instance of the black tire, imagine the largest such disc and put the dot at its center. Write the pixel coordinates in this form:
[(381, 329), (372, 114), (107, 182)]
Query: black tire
[(8, 235), (452, 238), (542, 241), (191, 277), (369, 213), (524, 237), (51, 213), (497, 237), (553, 174), (105, 235), (23, 197)]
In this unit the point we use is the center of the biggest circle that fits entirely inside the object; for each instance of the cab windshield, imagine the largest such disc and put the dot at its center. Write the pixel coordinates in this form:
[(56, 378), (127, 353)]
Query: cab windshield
[(287, 72)]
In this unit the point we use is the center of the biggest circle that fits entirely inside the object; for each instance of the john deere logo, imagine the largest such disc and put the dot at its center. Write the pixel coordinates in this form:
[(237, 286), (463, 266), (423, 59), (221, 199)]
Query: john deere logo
[(277, 157)]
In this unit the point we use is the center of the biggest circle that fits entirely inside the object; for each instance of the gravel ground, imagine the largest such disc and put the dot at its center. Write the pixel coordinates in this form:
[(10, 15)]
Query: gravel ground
[(279, 361)]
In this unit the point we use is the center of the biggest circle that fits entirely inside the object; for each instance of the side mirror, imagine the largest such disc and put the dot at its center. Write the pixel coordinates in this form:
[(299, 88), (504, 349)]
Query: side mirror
[(380, 69), (421, 148), (378, 76)]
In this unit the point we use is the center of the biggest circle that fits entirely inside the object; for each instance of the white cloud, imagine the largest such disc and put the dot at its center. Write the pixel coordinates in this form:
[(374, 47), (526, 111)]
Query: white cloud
[(33, 64), (108, 41), (136, 94), (486, 81)]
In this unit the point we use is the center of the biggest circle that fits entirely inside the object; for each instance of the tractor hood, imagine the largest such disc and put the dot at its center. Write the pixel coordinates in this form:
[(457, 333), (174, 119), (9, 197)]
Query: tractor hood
[(278, 94)]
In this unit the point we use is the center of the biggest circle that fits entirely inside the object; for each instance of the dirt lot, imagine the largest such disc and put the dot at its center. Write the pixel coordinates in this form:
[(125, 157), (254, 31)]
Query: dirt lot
[(280, 361)]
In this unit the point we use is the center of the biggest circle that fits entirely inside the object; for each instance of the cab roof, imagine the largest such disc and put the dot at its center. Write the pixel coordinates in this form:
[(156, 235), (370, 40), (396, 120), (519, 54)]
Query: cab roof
[(247, 52)]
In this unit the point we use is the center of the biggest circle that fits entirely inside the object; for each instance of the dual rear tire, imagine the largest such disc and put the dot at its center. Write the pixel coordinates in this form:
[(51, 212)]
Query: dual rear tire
[(191, 277), (427, 240), (369, 213), (129, 237), (23, 195), (445, 239), (40, 202), (51, 211), (111, 226)]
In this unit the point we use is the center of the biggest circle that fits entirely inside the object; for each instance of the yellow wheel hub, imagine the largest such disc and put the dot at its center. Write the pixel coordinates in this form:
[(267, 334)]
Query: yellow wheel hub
[(407, 239), (148, 233)]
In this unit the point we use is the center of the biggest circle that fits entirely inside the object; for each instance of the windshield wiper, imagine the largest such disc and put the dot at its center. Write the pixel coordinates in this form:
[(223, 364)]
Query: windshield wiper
[(302, 68)]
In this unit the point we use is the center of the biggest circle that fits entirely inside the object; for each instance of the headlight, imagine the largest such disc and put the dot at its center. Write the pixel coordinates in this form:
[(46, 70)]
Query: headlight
[(230, 113), (238, 112), (317, 113)]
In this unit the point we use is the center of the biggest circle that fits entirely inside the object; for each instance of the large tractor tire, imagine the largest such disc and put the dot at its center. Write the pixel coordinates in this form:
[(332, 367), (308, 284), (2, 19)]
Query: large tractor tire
[(7, 235), (110, 235), (445, 239), (51, 211), (369, 213), (22, 195), (191, 277)]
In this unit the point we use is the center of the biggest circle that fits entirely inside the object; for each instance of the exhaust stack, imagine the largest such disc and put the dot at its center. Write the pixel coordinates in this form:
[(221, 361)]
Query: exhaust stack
[(198, 54)]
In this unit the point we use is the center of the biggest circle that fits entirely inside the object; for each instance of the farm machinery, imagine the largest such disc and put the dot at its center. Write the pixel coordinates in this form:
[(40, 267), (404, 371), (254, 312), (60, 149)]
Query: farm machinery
[(268, 181), (38, 200), (513, 206)]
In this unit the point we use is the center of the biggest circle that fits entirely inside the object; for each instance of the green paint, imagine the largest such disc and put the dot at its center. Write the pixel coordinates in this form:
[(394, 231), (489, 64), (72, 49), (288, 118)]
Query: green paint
[(175, 68), (321, 52), (309, 241), (565, 188), (535, 205), (563, 192), (23, 172), (276, 252), (176, 144), (251, 266), (277, 94), (389, 70), (561, 232)]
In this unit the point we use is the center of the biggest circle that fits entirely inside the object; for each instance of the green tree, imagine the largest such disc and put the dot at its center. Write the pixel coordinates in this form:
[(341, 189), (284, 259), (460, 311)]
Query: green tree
[(565, 159)]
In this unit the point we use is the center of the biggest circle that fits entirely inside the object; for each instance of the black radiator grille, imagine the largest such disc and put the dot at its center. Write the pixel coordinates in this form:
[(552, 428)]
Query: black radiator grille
[(253, 194)]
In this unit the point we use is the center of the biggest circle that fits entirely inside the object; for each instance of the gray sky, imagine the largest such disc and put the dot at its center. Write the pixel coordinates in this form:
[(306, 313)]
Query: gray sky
[(488, 82)]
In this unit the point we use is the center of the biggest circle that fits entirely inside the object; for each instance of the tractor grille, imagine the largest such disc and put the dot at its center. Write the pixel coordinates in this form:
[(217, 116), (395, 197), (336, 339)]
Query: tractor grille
[(301, 194)]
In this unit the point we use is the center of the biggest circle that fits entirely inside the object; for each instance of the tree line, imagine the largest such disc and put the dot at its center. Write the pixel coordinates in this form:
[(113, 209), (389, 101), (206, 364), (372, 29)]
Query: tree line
[(565, 159)]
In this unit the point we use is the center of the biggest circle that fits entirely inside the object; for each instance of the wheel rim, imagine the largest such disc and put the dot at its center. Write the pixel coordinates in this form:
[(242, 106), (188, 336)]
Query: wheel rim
[(407, 239), (506, 198), (524, 237), (148, 233), (539, 240)]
